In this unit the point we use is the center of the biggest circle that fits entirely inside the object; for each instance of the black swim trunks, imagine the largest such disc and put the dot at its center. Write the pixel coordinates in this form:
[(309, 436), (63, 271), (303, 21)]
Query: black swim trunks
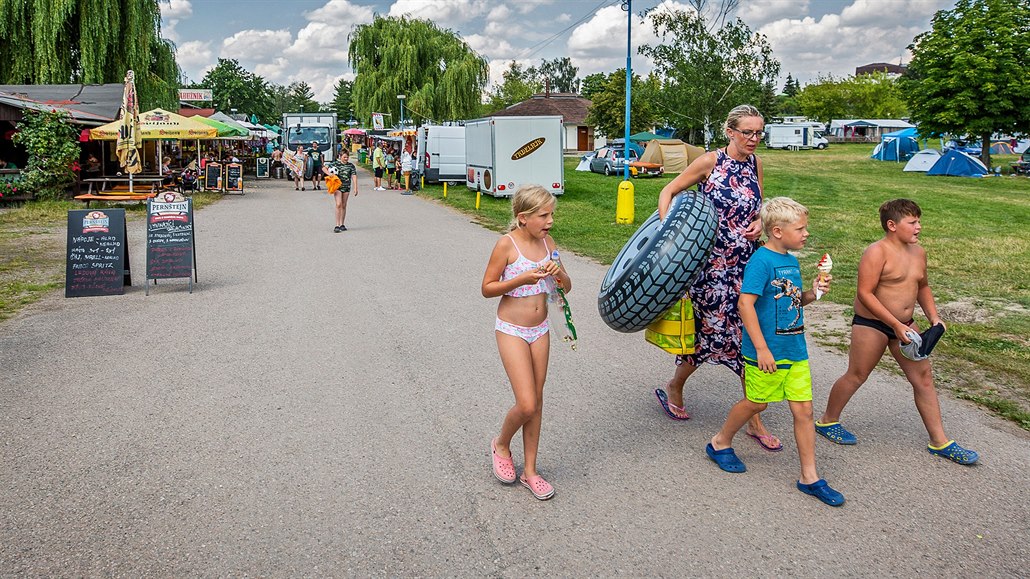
[(877, 325)]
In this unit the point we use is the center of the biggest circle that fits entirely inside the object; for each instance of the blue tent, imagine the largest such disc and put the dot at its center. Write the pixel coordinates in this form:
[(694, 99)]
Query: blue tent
[(958, 164), (897, 146)]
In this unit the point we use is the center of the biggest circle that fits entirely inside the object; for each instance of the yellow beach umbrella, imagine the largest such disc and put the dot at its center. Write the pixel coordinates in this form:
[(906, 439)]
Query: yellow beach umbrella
[(127, 129), (158, 124)]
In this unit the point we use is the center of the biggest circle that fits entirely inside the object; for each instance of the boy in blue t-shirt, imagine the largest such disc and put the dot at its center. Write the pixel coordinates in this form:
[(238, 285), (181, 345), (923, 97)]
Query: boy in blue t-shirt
[(775, 354)]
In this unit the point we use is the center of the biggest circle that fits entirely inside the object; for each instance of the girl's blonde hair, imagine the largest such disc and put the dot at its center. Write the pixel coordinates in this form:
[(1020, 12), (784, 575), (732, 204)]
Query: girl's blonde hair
[(740, 112), (781, 211), (529, 199)]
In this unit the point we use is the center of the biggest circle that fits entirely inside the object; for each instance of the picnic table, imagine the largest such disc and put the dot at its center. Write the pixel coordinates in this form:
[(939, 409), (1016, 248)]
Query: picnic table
[(117, 189)]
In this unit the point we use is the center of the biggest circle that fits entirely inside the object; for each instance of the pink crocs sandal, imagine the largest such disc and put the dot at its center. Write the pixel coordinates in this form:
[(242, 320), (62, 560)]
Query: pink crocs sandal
[(504, 468), (540, 488)]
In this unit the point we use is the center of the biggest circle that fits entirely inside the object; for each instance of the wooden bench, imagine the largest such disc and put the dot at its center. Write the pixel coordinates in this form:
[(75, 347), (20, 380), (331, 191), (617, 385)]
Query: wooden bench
[(88, 197)]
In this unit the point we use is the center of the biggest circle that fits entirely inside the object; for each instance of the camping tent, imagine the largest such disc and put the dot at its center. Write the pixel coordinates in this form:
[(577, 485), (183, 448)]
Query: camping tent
[(896, 146), (958, 164), (923, 160), (673, 154), (1001, 148)]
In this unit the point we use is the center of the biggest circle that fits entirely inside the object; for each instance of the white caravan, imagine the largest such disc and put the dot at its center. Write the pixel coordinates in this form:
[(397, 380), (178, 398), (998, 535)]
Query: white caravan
[(440, 153), (794, 136), (503, 153)]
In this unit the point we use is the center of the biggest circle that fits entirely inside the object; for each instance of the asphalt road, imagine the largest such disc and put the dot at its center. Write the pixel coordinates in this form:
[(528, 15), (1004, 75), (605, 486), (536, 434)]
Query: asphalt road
[(322, 404)]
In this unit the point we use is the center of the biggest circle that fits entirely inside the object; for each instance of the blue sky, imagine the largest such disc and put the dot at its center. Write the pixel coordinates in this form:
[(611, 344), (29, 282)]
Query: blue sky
[(306, 40)]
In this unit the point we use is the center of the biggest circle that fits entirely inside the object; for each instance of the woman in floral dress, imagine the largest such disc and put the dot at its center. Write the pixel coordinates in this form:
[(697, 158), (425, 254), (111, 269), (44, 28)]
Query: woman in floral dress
[(732, 178)]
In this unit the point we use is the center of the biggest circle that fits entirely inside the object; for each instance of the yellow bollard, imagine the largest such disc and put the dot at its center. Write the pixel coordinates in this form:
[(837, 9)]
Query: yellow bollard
[(422, 182), (624, 203), (445, 189), (477, 198)]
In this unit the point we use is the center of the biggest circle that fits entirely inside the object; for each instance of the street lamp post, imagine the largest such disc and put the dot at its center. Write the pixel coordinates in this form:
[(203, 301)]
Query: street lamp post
[(401, 98), (624, 198)]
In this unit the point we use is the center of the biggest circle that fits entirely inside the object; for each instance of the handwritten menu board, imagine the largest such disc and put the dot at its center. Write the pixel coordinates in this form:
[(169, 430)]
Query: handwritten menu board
[(234, 177), (97, 257), (170, 248), (213, 176)]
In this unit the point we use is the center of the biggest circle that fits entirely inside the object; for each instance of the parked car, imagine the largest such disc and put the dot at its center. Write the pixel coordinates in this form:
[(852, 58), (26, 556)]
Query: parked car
[(609, 160)]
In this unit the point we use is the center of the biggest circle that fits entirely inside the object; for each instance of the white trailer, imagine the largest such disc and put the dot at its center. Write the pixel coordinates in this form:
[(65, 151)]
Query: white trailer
[(794, 136), (440, 152), (504, 153)]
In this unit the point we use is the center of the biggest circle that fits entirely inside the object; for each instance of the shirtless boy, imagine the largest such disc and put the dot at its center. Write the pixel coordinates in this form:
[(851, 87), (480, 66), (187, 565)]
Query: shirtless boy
[(891, 279)]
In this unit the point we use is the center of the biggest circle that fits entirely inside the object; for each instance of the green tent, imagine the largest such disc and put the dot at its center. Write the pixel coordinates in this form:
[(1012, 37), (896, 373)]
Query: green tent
[(224, 131), (644, 136)]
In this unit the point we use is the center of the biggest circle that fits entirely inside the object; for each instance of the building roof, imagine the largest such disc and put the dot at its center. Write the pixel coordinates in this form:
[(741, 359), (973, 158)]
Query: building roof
[(572, 107), (880, 67), (87, 103)]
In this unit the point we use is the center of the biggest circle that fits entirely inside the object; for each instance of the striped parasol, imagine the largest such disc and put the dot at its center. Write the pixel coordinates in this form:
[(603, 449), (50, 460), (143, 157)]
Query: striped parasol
[(128, 132)]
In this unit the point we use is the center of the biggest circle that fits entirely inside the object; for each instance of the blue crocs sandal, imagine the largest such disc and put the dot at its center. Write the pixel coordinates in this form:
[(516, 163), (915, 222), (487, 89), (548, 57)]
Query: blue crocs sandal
[(725, 458), (822, 491), (955, 452), (835, 433)]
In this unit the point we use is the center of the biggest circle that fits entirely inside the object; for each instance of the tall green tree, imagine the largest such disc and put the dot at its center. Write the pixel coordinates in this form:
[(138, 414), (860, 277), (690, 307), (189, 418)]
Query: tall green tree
[(706, 69), (88, 41), (869, 96), (592, 84), (234, 87), (518, 83), (791, 87), (969, 73), (560, 75), (608, 111), (342, 103), (440, 75), (301, 97)]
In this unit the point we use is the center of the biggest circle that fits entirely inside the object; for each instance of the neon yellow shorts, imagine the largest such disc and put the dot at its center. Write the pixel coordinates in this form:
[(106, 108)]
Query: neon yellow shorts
[(791, 381)]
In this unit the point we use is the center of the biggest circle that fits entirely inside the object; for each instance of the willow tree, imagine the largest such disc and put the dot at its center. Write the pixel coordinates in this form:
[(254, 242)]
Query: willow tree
[(88, 41), (441, 77)]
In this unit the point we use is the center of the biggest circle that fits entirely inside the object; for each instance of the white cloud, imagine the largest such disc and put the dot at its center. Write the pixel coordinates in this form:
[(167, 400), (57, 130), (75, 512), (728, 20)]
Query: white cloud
[(499, 13), (195, 58), (256, 45), (341, 14), (492, 49), (757, 13), (563, 18), (173, 12), (447, 13), (527, 6)]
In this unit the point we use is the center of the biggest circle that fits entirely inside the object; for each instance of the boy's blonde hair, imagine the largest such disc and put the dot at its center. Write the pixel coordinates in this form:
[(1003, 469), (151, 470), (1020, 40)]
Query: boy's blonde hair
[(781, 211), (529, 199)]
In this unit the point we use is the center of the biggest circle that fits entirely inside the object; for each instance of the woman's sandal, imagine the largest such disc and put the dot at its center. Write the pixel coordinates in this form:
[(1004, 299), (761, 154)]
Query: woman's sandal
[(674, 412), (767, 441), (504, 467), (536, 484)]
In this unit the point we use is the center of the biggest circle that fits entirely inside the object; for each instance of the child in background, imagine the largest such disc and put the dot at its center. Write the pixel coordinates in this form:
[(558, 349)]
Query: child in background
[(774, 349), (391, 167), (522, 272), (892, 277)]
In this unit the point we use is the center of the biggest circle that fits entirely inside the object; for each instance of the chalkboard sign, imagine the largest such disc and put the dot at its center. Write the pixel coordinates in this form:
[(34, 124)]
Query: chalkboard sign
[(171, 251), (261, 169), (234, 177), (213, 176), (98, 257)]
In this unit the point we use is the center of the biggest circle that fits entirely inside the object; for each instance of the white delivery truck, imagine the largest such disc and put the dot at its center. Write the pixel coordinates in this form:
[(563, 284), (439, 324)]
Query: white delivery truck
[(794, 136), (440, 152), (503, 153), (306, 128)]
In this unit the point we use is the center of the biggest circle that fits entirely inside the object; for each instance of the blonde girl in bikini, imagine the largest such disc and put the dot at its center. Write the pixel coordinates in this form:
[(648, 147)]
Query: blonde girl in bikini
[(522, 273)]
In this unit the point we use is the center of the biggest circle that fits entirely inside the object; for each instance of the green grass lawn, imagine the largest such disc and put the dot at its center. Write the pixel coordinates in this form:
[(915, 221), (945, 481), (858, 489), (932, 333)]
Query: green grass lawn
[(974, 230)]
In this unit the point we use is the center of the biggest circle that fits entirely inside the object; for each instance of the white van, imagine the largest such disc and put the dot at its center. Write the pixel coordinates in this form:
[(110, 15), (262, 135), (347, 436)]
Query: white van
[(503, 153), (794, 136), (440, 153)]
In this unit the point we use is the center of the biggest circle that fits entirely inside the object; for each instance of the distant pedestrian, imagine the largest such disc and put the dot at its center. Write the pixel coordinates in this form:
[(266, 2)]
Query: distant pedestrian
[(348, 175), (277, 161), (316, 164), (523, 282), (391, 166), (405, 177), (378, 165), (301, 160)]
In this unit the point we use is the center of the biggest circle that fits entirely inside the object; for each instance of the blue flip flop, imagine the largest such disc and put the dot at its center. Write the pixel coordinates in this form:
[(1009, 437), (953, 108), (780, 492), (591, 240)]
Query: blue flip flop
[(822, 491), (663, 399), (835, 433), (725, 458)]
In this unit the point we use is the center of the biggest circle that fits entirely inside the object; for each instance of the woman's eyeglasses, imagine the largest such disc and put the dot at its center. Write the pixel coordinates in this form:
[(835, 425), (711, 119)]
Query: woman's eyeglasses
[(748, 135)]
